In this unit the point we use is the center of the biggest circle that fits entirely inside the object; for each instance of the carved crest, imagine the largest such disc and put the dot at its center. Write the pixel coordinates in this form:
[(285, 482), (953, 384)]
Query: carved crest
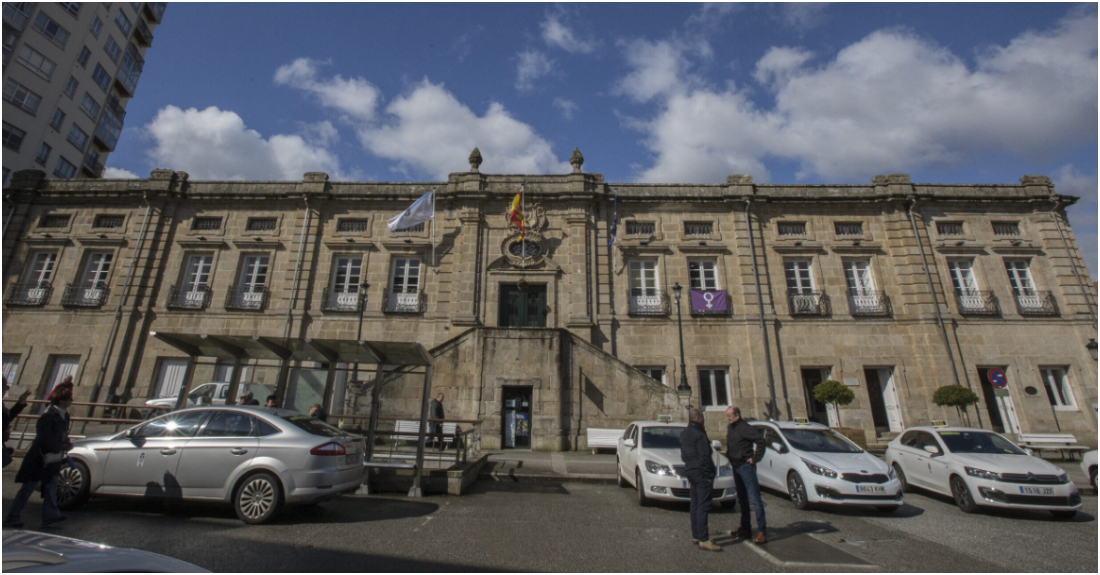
[(533, 250)]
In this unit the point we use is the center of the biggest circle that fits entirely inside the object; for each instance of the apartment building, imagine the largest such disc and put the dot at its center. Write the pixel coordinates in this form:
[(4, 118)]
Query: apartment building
[(69, 70)]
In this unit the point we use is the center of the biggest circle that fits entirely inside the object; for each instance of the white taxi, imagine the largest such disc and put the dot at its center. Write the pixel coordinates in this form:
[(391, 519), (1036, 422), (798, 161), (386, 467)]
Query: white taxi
[(980, 468), (648, 458), (814, 464)]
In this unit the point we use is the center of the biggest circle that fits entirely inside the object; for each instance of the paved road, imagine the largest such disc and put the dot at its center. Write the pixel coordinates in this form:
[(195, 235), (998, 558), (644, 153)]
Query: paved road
[(547, 526)]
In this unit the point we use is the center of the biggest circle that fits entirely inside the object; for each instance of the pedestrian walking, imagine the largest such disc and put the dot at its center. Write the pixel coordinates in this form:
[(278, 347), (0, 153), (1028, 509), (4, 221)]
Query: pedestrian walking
[(249, 399), (699, 467), (42, 464), (435, 411), (9, 418), (744, 448)]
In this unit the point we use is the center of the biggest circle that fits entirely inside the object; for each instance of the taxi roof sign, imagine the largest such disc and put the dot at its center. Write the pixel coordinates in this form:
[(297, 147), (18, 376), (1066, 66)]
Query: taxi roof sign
[(939, 423), (801, 421)]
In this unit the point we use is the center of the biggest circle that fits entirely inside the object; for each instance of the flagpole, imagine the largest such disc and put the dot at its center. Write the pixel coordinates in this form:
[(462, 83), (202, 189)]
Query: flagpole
[(523, 226), (433, 230)]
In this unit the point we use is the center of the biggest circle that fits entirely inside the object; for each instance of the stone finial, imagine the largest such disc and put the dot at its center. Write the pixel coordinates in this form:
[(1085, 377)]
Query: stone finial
[(577, 160), (475, 160), (1034, 180)]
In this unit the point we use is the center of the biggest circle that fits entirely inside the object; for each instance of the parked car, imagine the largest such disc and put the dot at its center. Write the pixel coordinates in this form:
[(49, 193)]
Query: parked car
[(212, 393), (254, 458), (1088, 466), (814, 464), (980, 468), (30, 552), (648, 458)]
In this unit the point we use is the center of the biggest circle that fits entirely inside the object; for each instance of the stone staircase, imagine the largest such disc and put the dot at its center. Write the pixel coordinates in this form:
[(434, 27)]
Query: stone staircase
[(878, 445)]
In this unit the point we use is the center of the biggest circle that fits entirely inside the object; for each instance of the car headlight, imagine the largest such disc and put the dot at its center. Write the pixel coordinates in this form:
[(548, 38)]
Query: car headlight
[(657, 468), (725, 471), (819, 470), (1063, 478), (975, 472)]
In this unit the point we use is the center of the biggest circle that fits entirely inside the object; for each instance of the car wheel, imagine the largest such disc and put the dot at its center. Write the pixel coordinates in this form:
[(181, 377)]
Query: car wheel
[(797, 489), (1067, 514), (962, 495), (887, 508), (905, 487), (257, 498), (643, 500), (73, 486), (619, 479)]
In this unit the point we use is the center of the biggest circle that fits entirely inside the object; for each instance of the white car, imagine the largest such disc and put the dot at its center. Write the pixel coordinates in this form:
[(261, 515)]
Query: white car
[(814, 464), (648, 458), (212, 393), (30, 552), (1088, 466), (980, 468)]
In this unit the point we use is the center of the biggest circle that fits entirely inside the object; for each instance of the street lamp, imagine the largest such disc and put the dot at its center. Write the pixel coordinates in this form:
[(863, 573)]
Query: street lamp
[(1091, 345), (676, 289)]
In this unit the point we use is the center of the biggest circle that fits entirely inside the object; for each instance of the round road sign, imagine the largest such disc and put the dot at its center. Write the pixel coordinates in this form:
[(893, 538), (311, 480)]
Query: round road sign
[(997, 378)]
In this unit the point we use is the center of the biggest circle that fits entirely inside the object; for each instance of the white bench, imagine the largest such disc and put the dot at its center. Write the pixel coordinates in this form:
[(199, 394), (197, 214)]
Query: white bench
[(603, 438), (1061, 442), (413, 428)]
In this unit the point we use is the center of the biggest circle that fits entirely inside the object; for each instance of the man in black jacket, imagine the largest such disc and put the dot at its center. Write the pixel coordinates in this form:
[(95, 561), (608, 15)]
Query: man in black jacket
[(699, 467), (745, 448), (435, 411)]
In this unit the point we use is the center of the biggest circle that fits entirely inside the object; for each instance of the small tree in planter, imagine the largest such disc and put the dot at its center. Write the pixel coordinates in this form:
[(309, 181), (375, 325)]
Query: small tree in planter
[(831, 392), (956, 396)]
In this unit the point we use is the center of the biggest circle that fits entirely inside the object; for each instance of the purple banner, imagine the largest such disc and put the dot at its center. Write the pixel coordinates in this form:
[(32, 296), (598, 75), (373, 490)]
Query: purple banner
[(705, 301)]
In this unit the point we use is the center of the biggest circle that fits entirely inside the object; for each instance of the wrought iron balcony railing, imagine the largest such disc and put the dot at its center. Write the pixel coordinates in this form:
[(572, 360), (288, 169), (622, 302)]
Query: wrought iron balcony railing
[(709, 302), (85, 296), (188, 297), (29, 294), (808, 303), (976, 302), (342, 301), (404, 302), (657, 304), (1033, 302), (251, 298), (868, 303)]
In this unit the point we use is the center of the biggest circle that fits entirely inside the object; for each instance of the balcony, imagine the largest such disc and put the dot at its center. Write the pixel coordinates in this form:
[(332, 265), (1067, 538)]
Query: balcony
[(17, 13), (1033, 302), (195, 298), (643, 305), (342, 301), (155, 10), (248, 298), (709, 302), (143, 35), (807, 303), (868, 303), (92, 165), (109, 128), (129, 71), (29, 294), (975, 302), (404, 302), (83, 296)]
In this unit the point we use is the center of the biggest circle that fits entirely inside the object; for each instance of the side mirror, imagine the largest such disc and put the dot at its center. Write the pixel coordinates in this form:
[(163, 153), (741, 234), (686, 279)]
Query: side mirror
[(717, 445), (777, 447), (629, 442), (932, 449), (130, 433)]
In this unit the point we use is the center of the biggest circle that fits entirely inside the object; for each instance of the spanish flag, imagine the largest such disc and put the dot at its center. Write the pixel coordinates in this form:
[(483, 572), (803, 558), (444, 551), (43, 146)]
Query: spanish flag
[(516, 213)]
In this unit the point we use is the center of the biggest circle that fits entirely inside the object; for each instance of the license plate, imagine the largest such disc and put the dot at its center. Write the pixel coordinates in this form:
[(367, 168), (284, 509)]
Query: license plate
[(353, 458), (870, 489), (1037, 490)]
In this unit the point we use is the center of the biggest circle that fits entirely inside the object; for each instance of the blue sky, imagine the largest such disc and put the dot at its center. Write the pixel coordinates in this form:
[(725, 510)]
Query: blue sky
[(789, 93)]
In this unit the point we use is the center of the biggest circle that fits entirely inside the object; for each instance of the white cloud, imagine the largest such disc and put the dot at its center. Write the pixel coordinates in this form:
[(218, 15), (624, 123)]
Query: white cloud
[(111, 173), (355, 97), (568, 107), (215, 144), (803, 16), (1083, 214), (887, 103), (555, 33), (532, 66)]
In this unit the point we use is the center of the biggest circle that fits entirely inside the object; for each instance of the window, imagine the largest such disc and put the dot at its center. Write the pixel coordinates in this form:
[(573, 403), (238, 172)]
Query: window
[(36, 62), (13, 137), (656, 373), (643, 278), (50, 29), (19, 95), (197, 276), (70, 86), (949, 228), (97, 25), (641, 228), (182, 424), (54, 221), (123, 23), (260, 224), (713, 388), (228, 424), (57, 119), (18, 13), (108, 221), (406, 276), (206, 224), (90, 106), (858, 275), (136, 6), (1058, 391), (962, 277), (77, 137), (64, 168), (11, 366), (253, 278), (1019, 275), (82, 58), (112, 49), (703, 275), (791, 228), (1006, 228), (72, 7), (698, 229), (345, 282), (848, 229), (43, 154), (97, 270), (101, 77), (42, 267), (799, 280), (345, 225)]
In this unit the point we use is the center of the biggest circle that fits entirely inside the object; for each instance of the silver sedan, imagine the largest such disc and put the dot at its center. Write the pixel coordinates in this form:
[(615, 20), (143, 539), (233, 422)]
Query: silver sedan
[(254, 458)]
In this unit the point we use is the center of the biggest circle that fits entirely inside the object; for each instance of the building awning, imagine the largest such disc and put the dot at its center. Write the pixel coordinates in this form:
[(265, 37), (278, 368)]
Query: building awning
[(246, 347)]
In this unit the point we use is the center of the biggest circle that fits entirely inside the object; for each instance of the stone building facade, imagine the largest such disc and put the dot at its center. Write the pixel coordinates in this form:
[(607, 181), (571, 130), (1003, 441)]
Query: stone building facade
[(893, 288)]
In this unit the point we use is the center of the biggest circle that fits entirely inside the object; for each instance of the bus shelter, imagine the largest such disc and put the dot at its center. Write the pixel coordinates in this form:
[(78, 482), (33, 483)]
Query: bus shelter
[(390, 358)]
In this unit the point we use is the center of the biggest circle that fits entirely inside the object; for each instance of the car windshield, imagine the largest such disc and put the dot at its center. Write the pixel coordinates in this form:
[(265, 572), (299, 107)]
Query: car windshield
[(978, 442), (819, 441), (314, 426), (204, 390), (661, 437)]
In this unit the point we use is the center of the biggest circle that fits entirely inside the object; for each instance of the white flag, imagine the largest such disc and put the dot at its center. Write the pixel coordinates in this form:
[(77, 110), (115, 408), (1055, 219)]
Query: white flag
[(421, 211)]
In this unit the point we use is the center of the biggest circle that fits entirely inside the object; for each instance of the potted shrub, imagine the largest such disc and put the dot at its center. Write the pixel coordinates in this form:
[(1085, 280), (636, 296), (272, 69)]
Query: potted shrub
[(956, 396), (832, 392)]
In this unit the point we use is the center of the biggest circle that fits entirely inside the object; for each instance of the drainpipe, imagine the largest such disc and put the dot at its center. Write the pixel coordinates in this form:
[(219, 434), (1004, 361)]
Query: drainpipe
[(773, 409), (280, 385), (118, 310), (1069, 254), (935, 300)]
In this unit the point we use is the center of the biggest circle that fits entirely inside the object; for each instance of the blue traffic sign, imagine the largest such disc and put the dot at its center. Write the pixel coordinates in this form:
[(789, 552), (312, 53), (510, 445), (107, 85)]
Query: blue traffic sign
[(998, 378)]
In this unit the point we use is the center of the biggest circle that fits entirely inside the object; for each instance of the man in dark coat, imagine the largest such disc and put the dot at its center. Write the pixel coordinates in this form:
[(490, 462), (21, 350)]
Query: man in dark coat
[(51, 440), (745, 448), (435, 411), (699, 467), (9, 418)]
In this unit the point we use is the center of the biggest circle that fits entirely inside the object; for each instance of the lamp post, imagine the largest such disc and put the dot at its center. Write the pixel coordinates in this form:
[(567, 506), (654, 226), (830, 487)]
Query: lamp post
[(676, 289)]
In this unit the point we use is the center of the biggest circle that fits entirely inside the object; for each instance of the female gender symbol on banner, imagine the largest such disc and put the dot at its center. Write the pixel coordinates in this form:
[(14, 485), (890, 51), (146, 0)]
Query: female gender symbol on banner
[(710, 299), (998, 378)]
